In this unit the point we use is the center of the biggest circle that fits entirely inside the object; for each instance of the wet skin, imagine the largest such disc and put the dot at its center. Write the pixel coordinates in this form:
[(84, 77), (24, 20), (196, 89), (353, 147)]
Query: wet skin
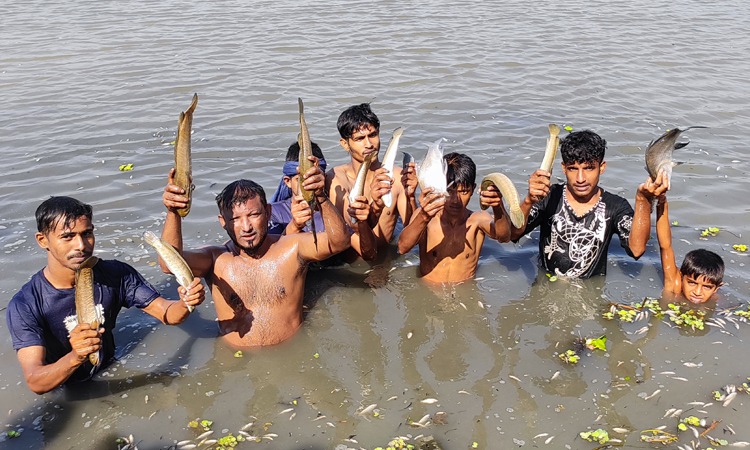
[(374, 223), (450, 236), (257, 280)]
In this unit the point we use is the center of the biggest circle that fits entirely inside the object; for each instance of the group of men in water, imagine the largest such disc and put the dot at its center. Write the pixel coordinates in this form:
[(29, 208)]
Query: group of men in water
[(257, 278)]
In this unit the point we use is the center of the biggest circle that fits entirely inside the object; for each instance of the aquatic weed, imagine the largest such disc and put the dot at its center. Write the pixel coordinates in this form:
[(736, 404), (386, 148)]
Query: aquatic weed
[(600, 436)]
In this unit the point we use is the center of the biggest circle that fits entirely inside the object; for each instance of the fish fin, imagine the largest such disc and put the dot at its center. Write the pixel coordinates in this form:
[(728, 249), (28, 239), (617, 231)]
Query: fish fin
[(679, 145), (193, 104), (694, 126), (313, 205)]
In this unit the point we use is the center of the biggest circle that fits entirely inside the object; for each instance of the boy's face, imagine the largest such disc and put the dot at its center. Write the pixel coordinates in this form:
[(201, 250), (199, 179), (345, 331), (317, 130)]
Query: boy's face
[(583, 178), (292, 183), (458, 198), (363, 142), (698, 289), (68, 246)]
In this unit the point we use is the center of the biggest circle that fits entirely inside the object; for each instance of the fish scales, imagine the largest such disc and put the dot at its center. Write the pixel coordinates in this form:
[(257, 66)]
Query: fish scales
[(390, 159), (432, 171), (172, 258), (183, 165), (509, 193), (659, 153), (305, 151), (84, 299), (553, 142)]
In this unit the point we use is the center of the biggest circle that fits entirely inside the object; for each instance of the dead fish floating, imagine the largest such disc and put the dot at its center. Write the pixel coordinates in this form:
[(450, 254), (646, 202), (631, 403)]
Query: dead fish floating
[(659, 153)]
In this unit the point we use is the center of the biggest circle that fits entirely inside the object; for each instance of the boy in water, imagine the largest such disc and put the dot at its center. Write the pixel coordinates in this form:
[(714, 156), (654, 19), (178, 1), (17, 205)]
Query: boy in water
[(449, 235), (578, 218), (702, 270), (289, 211)]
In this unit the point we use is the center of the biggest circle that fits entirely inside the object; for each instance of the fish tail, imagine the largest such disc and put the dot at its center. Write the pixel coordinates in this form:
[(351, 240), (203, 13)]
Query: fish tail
[(193, 104), (313, 205), (516, 217), (301, 106), (554, 130)]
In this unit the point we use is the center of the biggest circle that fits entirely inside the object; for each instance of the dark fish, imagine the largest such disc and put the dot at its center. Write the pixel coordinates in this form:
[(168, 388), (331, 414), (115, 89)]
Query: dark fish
[(305, 151), (408, 159), (659, 153), (183, 164)]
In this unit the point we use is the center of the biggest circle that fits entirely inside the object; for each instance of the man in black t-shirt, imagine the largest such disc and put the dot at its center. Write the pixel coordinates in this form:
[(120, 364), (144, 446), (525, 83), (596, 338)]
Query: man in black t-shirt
[(51, 345), (577, 219)]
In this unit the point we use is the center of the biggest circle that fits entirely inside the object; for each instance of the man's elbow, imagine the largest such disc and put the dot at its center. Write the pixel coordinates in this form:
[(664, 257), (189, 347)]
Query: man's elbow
[(37, 388)]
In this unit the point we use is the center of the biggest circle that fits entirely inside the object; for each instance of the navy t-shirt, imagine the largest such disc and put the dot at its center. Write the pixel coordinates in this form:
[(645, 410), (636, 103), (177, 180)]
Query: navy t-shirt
[(40, 315), (576, 246)]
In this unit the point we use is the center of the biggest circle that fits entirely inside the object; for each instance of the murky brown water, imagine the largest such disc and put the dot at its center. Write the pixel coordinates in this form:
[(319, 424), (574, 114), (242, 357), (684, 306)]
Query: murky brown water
[(88, 86)]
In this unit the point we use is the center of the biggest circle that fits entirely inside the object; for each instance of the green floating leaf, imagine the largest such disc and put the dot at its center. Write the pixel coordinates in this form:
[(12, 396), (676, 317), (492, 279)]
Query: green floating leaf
[(599, 343), (740, 247), (238, 354), (126, 167), (316, 355), (13, 434), (600, 436), (553, 278), (568, 128), (675, 223)]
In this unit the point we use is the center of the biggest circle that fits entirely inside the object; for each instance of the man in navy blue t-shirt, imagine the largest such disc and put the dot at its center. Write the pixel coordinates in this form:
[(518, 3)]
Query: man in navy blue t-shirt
[(51, 345)]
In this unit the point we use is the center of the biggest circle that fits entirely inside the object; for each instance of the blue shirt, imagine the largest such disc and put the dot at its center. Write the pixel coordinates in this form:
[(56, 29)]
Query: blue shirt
[(41, 315), (281, 215)]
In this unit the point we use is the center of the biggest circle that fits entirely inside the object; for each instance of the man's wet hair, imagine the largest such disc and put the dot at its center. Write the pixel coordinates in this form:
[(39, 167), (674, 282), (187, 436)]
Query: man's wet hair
[(582, 147), (238, 192), (702, 262), (461, 170), (293, 153), (56, 209), (354, 118)]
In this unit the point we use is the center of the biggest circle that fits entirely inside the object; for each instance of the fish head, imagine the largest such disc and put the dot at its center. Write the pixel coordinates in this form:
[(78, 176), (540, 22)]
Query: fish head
[(69, 243), (363, 142)]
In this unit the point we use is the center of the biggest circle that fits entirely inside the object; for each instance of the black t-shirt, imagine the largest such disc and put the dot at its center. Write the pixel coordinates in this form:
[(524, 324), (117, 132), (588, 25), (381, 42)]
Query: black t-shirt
[(40, 315), (575, 246)]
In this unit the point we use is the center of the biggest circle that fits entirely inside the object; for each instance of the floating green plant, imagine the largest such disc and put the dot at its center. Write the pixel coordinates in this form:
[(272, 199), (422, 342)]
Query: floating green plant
[(126, 167), (600, 436), (238, 354), (711, 231), (687, 318), (740, 247), (397, 444), (599, 343), (568, 128), (570, 357), (13, 434)]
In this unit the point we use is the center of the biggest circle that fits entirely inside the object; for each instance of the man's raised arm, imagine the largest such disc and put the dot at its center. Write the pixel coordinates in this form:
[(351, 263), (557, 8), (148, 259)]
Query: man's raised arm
[(200, 260)]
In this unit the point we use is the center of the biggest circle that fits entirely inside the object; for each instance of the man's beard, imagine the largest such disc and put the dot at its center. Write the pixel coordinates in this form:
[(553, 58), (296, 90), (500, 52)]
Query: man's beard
[(249, 251)]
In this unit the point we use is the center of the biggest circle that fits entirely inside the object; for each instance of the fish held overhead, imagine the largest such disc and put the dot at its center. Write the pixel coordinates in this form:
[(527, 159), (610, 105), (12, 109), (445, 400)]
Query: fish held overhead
[(183, 163), (509, 193), (432, 171), (305, 151), (659, 153), (84, 297), (389, 160)]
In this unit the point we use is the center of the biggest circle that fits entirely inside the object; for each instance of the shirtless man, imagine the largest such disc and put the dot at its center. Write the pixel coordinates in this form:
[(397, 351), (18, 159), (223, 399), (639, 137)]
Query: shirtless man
[(257, 279), (450, 236), (374, 223)]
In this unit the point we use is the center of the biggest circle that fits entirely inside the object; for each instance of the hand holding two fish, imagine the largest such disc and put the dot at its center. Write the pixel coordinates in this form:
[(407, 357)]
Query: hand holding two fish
[(174, 196), (491, 197), (85, 341), (315, 178), (409, 179), (431, 203), (194, 295), (539, 184)]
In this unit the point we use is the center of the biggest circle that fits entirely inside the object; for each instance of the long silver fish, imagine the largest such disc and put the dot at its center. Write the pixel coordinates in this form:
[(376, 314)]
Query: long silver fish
[(85, 306), (432, 171), (305, 151), (659, 153), (390, 159), (509, 193), (183, 165), (172, 258), (552, 143)]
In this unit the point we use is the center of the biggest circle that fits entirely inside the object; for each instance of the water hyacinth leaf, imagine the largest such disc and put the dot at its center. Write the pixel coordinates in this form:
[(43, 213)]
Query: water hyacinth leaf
[(600, 436), (126, 167), (599, 343), (238, 354), (568, 128), (740, 247)]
